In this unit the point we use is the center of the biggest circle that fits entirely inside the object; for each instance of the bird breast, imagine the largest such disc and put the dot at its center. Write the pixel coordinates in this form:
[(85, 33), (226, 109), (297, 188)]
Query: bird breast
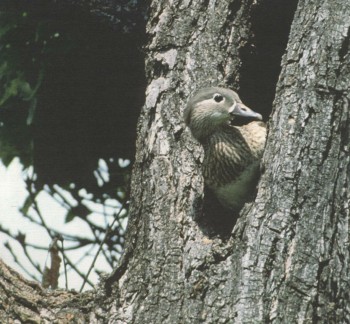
[(231, 162)]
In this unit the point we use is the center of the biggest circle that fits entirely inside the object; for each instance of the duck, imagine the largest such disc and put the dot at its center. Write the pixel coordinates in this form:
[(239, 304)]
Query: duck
[(233, 137)]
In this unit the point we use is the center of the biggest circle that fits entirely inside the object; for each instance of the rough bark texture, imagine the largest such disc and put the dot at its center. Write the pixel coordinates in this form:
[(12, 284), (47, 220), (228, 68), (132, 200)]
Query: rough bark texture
[(23, 301), (297, 257), (287, 259), (175, 273)]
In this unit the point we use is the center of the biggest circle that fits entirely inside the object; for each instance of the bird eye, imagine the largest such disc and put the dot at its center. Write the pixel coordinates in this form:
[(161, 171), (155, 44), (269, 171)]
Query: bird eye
[(218, 97)]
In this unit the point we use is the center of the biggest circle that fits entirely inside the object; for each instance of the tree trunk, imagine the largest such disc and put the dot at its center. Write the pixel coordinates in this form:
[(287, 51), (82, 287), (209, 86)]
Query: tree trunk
[(297, 255), (287, 259), (24, 301), (173, 272)]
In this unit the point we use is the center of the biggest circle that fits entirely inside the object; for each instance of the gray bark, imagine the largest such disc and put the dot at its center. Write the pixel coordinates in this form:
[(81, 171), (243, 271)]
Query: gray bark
[(287, 259), (174, 272), (298, 235), (24, 301)]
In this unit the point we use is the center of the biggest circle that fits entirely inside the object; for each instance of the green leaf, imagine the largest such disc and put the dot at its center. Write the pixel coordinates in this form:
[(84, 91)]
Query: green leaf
[(81, 211), (6, 160), (69, 216), (27, 204), (31, 111)]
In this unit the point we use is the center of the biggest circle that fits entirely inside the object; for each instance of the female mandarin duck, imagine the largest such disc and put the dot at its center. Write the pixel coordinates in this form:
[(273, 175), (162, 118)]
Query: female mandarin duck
[(233, 137)]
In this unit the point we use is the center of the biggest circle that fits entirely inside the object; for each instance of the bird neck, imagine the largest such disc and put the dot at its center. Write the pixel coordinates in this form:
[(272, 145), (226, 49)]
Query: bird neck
[(225, 132), (203, 130)]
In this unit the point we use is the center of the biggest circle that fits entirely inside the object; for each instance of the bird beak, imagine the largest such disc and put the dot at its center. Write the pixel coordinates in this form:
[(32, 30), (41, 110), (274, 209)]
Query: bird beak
[(238, 109)]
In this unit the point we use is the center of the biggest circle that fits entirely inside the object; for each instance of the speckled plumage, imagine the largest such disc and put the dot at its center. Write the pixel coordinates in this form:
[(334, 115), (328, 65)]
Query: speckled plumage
[(232, 152)]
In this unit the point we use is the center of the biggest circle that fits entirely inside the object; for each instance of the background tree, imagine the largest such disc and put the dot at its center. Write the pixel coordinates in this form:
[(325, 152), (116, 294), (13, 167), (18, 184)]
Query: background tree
[(67, 111), (287, 258)]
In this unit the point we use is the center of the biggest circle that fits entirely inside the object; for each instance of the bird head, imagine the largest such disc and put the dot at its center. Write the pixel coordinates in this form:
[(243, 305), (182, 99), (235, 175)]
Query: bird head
[(212, 108)]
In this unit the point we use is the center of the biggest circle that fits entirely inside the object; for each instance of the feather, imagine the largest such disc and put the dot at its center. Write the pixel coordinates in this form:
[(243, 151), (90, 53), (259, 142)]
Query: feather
[(232, 152)]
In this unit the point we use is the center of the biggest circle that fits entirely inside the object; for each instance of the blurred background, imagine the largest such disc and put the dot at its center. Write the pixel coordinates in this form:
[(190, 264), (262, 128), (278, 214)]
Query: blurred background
[(72, 86)]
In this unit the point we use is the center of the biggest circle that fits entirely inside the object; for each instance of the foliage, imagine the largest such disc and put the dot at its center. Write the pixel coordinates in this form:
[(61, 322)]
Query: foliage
[(71, 91)]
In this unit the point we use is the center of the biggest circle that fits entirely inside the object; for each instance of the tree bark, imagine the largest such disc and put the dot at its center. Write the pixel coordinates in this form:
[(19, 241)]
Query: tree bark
[(24, 301), (297, 256), (287, 259), (172, 271)]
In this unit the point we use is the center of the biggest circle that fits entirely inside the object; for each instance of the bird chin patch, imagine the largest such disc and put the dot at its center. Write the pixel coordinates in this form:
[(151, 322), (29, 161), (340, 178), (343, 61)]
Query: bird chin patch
[(240, 121)]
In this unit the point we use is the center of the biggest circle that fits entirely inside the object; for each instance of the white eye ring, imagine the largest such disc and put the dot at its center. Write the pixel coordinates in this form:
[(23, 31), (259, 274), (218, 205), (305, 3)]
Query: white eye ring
[(218, 97)]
